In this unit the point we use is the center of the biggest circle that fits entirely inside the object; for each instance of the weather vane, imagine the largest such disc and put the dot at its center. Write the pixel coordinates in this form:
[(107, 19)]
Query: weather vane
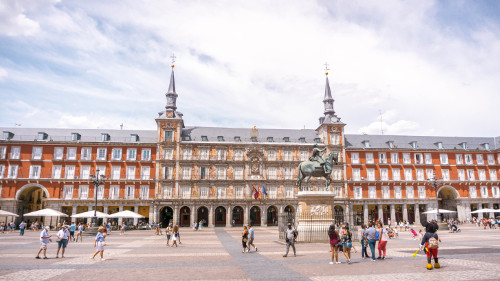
[(326, 68), (173, 59)]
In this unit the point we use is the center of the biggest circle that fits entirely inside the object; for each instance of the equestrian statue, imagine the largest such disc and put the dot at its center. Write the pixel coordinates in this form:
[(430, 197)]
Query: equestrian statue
[(316, 166)]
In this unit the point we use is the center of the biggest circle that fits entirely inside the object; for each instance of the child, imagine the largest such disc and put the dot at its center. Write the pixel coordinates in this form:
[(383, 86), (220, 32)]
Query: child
[(396, 231), (430, 244), (414, 233)]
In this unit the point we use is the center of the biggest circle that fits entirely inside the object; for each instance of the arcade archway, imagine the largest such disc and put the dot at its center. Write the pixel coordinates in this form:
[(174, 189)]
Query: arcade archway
[(185, 216), (272, 216), (255, 216), (448, 201), (220, 216), (166, 216), (238, 216), (203, 215), (32, 197)]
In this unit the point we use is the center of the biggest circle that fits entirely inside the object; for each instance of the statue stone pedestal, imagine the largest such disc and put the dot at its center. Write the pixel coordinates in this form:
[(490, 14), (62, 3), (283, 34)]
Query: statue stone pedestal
[(314, 215)]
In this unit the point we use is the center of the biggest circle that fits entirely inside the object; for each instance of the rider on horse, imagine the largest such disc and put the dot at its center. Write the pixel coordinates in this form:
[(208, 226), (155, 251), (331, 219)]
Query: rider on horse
[(316, 156)]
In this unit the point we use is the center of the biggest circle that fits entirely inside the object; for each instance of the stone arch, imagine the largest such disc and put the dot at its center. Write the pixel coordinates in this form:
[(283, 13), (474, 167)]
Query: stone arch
[(29, 186), (451, 188)]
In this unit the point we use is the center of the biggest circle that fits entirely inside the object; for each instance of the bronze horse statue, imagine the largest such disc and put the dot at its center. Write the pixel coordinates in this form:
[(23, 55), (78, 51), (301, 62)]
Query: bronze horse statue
[(308, 169)]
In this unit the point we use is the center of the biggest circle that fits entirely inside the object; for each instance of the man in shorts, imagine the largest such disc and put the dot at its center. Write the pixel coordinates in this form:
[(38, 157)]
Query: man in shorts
[(250, 239), (44, 240), (63, 236), (72, 229)]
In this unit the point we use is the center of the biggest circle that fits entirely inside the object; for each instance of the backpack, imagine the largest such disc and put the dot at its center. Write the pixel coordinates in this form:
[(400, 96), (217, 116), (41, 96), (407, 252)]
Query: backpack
[(433, 243)]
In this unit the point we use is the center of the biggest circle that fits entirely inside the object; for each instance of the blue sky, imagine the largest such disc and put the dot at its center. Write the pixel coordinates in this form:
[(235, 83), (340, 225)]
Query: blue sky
[(430, 67)]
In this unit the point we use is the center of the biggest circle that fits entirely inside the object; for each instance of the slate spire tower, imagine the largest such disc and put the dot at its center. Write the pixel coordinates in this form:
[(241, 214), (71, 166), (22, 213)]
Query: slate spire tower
[(330, 116), (171, 94)]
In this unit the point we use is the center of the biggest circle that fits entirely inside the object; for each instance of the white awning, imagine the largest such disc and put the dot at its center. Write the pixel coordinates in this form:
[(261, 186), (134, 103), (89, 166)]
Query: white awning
[(46, 213), (90, 214), (7, 214), (126, 214), (441, 211)]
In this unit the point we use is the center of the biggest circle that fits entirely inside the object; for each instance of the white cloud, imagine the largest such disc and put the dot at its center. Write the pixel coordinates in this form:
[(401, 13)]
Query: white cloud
[(3, 74), (14, 22)]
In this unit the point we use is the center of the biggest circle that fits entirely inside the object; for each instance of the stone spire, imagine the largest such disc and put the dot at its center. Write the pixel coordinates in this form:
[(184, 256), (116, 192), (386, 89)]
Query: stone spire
[(171, 94), (330, 116)]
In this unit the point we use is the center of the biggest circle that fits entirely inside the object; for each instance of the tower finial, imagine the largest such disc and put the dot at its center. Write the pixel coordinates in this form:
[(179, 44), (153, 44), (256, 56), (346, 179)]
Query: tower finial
[(173, 59), (326, 68)]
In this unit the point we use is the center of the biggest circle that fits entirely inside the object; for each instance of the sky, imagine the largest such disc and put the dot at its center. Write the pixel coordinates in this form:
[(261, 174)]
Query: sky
[(395, 67)]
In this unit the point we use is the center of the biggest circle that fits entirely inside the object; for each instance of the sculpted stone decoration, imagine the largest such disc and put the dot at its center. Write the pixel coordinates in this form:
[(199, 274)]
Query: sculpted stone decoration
[(254, 168), (255, 155), (317, 167), (319, 209)]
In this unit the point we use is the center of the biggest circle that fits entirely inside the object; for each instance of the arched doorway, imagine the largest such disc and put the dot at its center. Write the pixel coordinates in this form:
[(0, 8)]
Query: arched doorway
[(272, 216), (166, 216), (220, 216), (338, 214), (185, 216), (203, 215), (255, 216), (448, 201), (32, 197), (238, 216), (289, 209)]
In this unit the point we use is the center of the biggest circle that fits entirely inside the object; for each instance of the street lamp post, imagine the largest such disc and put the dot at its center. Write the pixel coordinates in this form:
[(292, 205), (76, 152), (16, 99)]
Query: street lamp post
[(434, 182), (96, 180)]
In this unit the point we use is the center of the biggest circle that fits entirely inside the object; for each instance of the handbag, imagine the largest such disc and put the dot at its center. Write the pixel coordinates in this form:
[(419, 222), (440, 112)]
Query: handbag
[(245, 240)]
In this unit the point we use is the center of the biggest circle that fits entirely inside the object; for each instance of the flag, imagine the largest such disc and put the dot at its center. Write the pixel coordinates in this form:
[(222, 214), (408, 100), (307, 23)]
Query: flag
[(259, 193), (264, 190), (255, 193)]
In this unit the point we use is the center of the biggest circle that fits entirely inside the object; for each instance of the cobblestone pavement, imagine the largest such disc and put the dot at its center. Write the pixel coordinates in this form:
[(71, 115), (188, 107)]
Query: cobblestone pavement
[(215, 254)]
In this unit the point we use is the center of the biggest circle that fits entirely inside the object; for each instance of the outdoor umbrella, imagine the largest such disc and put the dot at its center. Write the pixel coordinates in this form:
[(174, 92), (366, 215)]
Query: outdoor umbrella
[(90, 214), (7, 214), (486, 211), (126, 214), (442, 211), (46, 213)]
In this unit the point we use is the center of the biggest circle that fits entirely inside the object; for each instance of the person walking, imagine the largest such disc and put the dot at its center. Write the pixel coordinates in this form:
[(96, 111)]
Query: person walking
[(72, 229), (178, 234), (124, 226), (62, 242), (99, 243), (346, 236), (364, 242), (371, 238), (200, 225), (382, 238), (22, 226), (44, 241), (79, 232), (168, 233), (334, 241), (291, 235), (430, 242), (175, 231), (251, 234), (108, 228), (244, 238)]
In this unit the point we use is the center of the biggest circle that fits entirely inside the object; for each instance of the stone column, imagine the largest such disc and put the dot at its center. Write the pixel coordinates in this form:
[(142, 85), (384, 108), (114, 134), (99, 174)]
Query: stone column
[(492, 215), (136, 210), (263, 216), (467, 211), (176, 214), (380, 212), (120, 220), (479, 207), (417, 214), (245, 215), (151, 213), (228, 216), (193, 215), (350, 213), (211, 216), (405, 212), (73, 212), (365, 213), (393, 213), (104, 210)]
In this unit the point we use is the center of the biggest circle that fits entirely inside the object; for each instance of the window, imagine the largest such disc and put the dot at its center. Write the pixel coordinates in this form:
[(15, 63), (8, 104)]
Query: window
[(238, 173), (3, 152), (406, 158), (468, 159), (303, 155), (288, 171), (204, 154), (56, 171), (491, 159), (429, 173), (369, 158), (185, 192), (101, 170), (287, 155), (408, 175), (58, 153), (42, 136), (253, 139), (35, 171), (289, 192), (397, 192), (366, 143), (273, 192), (472, 192), (439, 145), (354, 157), (105, 137), (115, 172), (146, 154), (484, 191), (336, 174), (134, 138), (15, 152), (370, 174), (419, 158), (394, 158), (271, 173), (286, 139), (386, 193), (238, 155), (204, 192), (67, 192), (145, 173), (396, 174), (356, 174), (168, 173), (204, 138), (187, 138), (372, 192), (445, 173), (186, 173), (479, 159), (390, 144), (131, 154), (421, 192), (271, 155), (86, 153), (83, 192), (101, 154), (221, 192), (221, 173), (131, 172), (85, 172), (220, 154), (144, 192), (2, 171), (129, 192), (270, 139), (428, 159), (70, 172), (238, 191), (114, 192), (237, 139), (303, 140), (444, 159), (460, 159), (420, 175), (187, 153), (37, 153), (204, 171), (169, 154), (493, 175), (6, 135), (334, 139), (384, 174), (495, 192), (409, 192), (220, 138), (413, 144), (75, 136), (169, 135), (461, 175), (358, 192), (482, 174), (382, 158), (116, 154), (71, 153), (470, 175)]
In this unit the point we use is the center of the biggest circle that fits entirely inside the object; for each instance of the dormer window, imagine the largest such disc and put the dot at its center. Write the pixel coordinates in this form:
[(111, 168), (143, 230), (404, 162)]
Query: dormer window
[(187, 138), (317, 140), (204, 138), (7, 135), (105, 137), (220, 138), (390, 144), (286, 139), (75, 136), (413, 144), (486, 146), (463, 145), (42, 136), (302, 139), (134, 137), (366, 143), (270, 139), (237, 139), (253, 139), (439, 145)]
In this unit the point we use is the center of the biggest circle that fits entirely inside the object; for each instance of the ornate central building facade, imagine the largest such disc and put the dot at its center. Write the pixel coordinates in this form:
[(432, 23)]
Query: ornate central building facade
[(235, 176)]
